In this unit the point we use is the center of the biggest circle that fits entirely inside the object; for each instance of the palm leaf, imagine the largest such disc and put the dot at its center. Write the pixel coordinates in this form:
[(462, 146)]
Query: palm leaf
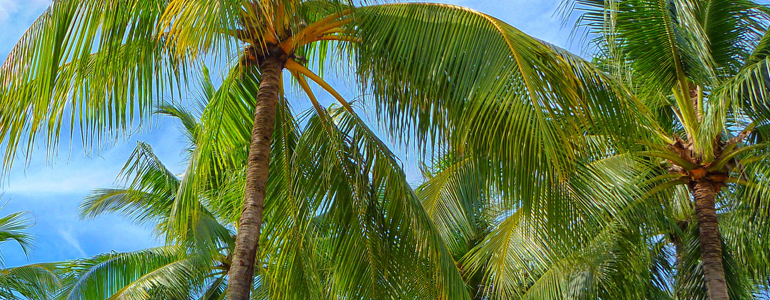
[(97, 65), (445, 74), (132, 275), (34, 281)]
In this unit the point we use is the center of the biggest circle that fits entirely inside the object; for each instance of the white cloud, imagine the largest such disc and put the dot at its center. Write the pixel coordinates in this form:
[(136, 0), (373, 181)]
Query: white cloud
[(15, 10), (7, 8), (15, 17), (68, 237), (72, 173), (76, 178)]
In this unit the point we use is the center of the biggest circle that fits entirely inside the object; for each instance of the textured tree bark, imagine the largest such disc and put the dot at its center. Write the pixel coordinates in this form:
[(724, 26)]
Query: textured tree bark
[(241, 272), (710, 242)]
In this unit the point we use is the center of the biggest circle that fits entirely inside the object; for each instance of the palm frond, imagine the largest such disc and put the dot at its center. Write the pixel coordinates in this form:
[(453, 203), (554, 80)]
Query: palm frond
[(93, 65), (34, 281), (149, 195), (198, 28), (445, 74), (455, 197), (733, 29), (373, 219), (13, 228), (136, 274), (222, 144)]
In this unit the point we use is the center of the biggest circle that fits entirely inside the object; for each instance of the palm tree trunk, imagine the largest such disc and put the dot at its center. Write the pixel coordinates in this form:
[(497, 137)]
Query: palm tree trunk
[(241, 272), (710, 242)]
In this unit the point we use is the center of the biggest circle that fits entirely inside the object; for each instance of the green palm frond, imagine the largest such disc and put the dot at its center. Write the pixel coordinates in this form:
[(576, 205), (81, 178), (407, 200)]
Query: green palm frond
[(733, 29), (197, 28), (457, 197), (148, 197), (163, 272), (95, 65), (185, 115), (762, 46), (440, 73), (35, 281), (525, 257), (13, 229), (373, 221), (597, 252), (744, 94), (405, 216), (666, 48), (650, 35), (222, 145), (189, 113)]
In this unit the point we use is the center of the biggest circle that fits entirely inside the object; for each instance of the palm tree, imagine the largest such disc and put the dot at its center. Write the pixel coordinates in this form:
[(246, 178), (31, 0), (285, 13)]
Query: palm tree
[(697, 71), (304, 258), (182, 269), (436, 72), (33, 281), (642, 251)]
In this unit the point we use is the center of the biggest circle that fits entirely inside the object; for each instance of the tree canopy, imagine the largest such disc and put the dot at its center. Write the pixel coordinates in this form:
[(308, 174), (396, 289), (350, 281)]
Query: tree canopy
[(639, 174)]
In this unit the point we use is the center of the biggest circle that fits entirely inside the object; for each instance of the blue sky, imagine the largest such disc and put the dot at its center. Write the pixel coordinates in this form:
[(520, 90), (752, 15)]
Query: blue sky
[(51, 189)]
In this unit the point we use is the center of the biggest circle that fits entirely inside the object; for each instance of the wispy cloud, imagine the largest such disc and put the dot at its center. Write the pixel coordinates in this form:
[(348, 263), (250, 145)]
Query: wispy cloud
[(63, 179), (10, 8), (53, 190), (72, 241), (7, 7), (15, 17), (73, 173)]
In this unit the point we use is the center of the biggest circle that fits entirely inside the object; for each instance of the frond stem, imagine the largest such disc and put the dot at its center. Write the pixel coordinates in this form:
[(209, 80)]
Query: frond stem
[(313, 30), (303, 83), (670, 156), (351, 39), (296, 67), (725, 158)]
